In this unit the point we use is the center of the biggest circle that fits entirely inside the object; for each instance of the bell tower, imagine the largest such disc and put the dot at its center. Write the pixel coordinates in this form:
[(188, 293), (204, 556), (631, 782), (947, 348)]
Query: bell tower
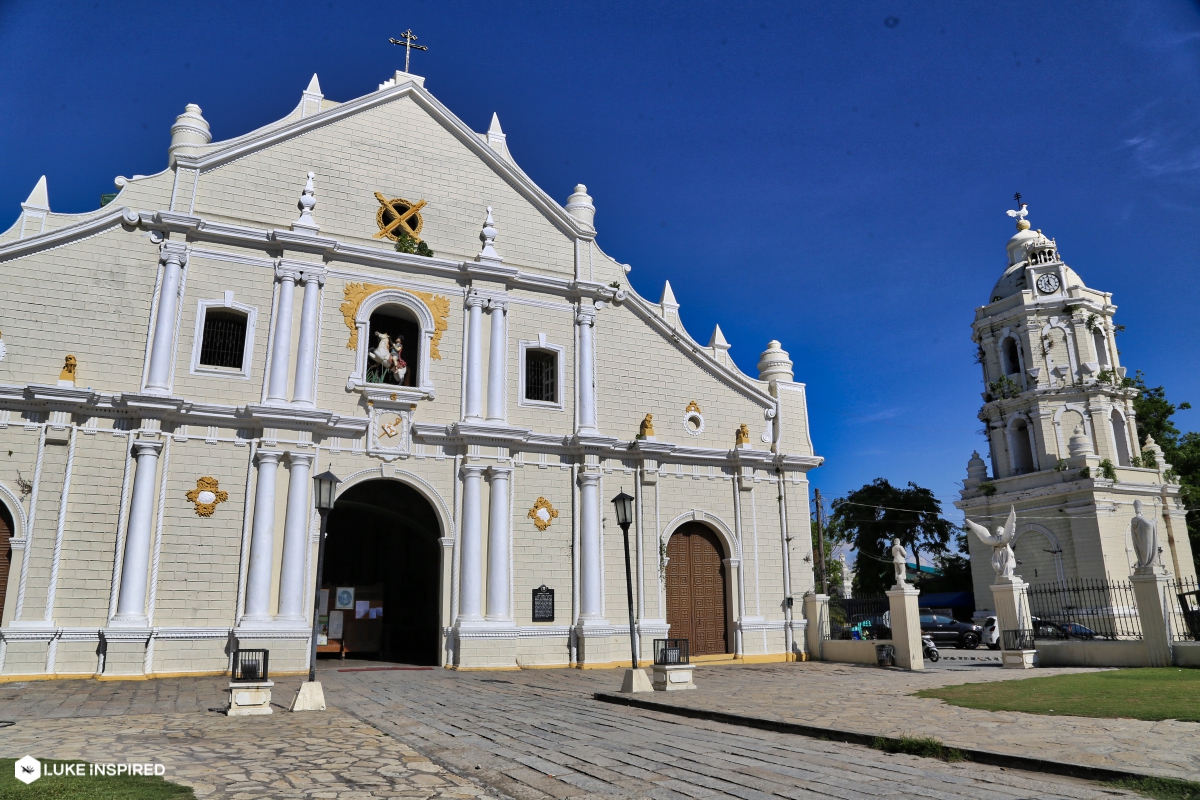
[(1060, 427)]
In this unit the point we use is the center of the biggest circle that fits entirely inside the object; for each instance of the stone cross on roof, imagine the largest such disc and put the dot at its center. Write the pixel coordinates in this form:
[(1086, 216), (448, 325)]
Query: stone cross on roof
[(409, 37)]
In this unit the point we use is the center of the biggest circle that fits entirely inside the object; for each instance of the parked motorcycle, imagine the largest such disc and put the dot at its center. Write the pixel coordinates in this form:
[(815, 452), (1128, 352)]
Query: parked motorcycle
[(928, 648)]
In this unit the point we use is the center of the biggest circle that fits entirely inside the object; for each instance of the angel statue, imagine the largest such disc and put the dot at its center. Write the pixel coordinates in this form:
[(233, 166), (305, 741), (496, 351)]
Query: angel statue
[(1145, 539), (1003, 558)]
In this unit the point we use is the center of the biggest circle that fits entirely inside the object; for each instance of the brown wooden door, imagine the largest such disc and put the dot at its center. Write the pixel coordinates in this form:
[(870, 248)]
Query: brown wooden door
[(696, 589)]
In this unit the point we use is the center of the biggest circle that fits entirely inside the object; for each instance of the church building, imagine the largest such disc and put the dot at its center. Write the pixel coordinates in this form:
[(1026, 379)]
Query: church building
[(1061, 434), (374, 289)]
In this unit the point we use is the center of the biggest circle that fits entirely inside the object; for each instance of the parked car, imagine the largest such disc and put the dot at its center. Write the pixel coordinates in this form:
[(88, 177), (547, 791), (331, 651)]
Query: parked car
[(991, 633), (1052, 629), (946, 630)]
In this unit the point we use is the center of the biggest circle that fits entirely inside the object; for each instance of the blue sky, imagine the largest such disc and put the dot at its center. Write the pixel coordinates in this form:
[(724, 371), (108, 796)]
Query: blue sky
[(832, 175)]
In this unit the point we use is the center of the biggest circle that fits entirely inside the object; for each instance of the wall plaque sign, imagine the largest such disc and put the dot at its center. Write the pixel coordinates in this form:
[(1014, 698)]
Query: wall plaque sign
[(543, 604)]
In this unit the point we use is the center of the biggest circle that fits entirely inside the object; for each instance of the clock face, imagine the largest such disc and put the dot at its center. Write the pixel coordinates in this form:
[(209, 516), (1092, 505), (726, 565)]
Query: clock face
[(1047, 284)]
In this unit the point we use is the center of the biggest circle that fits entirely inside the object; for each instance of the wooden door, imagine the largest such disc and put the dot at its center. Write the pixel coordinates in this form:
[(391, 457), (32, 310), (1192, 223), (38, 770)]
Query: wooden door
[(696, 589)]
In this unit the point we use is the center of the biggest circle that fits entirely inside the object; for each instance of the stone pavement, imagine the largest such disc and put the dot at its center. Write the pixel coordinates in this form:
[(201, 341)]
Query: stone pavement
[(870, 700), (528, 734)]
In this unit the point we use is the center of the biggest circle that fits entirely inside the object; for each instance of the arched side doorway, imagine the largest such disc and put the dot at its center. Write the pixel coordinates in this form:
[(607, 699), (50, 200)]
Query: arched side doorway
[(383, 542), (6, 532), (696, 586)]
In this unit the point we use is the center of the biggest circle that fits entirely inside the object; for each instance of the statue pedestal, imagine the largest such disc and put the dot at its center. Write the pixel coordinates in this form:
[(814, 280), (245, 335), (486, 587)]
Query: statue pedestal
[(1151, 591), (816, 611), (906, 626), (1011, 596)]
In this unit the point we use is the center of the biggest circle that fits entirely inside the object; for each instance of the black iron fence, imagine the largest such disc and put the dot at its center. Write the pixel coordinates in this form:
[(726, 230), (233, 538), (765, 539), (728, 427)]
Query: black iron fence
[(859, 618), (1185, 610), (671, 651), (1084, 608)]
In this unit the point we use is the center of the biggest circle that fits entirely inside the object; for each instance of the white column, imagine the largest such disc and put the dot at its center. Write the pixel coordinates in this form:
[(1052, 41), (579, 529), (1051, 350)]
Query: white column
[(295, 540), (496, 363), (475, 357), (131, 607), (590, 577), (262, 540), (498, 579), (159, 379), (281, 348), (586, 320), (470, 580), (306, 354)]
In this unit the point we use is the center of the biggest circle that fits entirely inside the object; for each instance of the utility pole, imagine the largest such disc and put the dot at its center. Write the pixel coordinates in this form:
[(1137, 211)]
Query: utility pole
[(821, 542)]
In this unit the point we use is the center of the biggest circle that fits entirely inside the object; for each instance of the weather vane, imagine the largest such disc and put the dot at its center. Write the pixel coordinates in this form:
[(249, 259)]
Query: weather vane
[(408, 38), (1022, 210)]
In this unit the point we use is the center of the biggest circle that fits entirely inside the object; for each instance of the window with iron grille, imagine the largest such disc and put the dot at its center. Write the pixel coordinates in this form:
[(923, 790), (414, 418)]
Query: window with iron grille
[(224, 339), (541, 376)]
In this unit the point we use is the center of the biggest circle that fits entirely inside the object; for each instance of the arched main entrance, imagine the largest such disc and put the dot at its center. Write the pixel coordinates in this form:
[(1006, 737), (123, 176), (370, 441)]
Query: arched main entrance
[(383, 543), (696, 589), (6, 532)]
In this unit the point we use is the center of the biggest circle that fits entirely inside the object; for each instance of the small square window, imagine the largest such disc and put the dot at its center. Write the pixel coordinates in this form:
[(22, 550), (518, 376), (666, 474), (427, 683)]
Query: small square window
[(541, 376), (224, 339)]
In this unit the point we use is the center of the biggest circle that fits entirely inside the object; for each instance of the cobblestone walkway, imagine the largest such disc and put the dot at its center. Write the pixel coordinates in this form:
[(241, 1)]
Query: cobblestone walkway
[(874, 701), (523, 735)]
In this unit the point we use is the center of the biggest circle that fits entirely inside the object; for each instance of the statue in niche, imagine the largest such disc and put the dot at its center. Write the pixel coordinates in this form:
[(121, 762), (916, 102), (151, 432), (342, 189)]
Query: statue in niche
[(1145, 539), (899, 562), (387, 354), (1003, 558)]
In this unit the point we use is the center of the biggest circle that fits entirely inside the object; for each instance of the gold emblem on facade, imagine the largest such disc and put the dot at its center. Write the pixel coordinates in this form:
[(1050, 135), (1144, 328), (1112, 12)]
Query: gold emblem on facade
[(542, 513), (692, 407), (68, 370), (743, 434), (206, 495), (398, 216), (647, 427), (392, 428)]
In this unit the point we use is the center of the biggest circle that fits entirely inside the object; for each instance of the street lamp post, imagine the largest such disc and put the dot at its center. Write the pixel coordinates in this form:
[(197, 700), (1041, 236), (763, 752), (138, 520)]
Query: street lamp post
[(624, 506), (310, 697)]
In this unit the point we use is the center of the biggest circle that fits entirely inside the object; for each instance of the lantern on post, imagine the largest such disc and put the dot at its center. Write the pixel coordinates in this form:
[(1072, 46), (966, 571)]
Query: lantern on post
[(623, 503), (311, 697)]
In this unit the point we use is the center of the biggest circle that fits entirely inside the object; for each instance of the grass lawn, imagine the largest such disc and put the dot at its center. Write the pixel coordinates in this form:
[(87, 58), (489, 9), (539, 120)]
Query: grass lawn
[(1149, 694), (125, 787)]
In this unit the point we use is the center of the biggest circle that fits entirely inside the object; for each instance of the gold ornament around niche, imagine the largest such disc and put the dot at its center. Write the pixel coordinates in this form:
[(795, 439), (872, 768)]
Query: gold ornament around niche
[(206, 495), (356, 293), (743, 434), (68, 371), (397, 216), (647, 426), (692, 406), (542, 513)]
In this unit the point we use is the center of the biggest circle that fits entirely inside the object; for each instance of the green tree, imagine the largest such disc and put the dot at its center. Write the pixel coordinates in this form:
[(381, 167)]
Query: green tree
[(955, 569), (1181, 450), (870, 517)]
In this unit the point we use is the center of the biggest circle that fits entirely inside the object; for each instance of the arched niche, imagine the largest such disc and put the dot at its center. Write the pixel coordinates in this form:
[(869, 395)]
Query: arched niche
[(1120, 438), (1021, 446), (397, 311)]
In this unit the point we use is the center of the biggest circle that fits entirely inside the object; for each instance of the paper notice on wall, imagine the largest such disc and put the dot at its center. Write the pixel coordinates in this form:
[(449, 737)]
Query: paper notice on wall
[(324, 607), (322, 630), (376, 613), (335, 625), (362, 608)]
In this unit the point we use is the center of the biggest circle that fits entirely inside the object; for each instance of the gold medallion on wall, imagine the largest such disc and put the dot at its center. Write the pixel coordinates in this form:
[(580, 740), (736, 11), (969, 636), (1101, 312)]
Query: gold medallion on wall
[(206, 496), (542, 513)]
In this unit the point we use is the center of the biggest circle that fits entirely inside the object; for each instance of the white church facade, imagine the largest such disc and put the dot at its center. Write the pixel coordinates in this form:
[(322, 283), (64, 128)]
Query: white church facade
[(373, 288), (1061, 432)]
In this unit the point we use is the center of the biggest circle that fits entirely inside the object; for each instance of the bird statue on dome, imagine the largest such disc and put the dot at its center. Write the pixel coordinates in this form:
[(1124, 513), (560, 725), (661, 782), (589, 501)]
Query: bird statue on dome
[(1020, 214), (1003, 558)]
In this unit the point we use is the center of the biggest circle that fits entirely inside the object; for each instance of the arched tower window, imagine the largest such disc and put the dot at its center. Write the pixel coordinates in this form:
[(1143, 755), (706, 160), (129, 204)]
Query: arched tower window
[(392, 356), (1101, 345), (1120, 442), (1010, 358), (1020, 447)]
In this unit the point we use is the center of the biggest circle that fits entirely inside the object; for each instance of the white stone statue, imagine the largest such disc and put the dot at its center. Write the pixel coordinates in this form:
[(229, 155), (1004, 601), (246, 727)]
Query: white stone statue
[(1145, 539), (1003, 558), (899, 562)]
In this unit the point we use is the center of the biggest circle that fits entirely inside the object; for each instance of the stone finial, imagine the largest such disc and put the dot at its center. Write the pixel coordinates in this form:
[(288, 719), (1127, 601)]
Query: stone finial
[(310, 100), (189, 131), (69, 371), (488, 254), (976, 470), (774, 364), (718, 344), (1080, 444), (1151, 448), (646, 429), (308, 202), (39, 198), (579, 205), (742, 437)]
